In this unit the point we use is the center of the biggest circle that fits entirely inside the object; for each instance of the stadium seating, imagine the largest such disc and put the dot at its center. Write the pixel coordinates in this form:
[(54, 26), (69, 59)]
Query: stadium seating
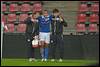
[(25, 8), (26, 1), (21, 28), (3, 18), (95, 7), (37, 7), (20, 3), (37, 2), (93, 28), (7, 2), (11, 17), (22, 17), (13, 7), (15, 12), (81, 18), (94, 18), (40, 2), (83, 2), (11, 28), (95, 1), (83, 8), (4, 7), (89, 2), (80, 28)]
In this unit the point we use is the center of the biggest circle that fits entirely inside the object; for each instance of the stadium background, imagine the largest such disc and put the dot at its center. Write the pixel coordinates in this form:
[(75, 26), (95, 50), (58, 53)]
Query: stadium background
[(81, 39)]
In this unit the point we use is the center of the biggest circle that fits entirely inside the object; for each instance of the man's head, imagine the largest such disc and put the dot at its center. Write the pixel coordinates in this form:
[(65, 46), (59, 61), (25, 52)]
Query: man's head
[(56, 12), (45, 13), (35, 15)]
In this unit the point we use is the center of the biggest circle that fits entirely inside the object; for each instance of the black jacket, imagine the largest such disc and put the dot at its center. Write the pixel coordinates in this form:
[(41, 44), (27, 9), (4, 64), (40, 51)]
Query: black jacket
[(57, 26), (29, 28)]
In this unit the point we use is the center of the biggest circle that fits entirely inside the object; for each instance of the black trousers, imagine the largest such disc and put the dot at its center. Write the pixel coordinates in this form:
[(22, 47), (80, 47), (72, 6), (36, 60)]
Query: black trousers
[(56, 41), (30, 51)]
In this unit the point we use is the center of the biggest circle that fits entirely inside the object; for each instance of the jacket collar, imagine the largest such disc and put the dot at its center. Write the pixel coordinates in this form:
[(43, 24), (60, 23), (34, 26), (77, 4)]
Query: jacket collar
[(44, 17)]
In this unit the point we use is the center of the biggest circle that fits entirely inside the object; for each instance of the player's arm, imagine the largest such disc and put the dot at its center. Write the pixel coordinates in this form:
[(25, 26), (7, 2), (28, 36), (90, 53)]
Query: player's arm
[(27, 34), (36, 31), (27, 21), (52, 25), (52, 28), (63, 21)]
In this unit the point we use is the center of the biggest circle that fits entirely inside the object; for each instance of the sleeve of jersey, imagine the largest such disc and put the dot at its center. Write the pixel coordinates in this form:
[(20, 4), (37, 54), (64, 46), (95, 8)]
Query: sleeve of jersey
[(65, 23)]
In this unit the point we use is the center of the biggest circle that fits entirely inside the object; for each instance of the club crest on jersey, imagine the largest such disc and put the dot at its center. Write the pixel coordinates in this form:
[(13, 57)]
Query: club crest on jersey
[(45, 20)]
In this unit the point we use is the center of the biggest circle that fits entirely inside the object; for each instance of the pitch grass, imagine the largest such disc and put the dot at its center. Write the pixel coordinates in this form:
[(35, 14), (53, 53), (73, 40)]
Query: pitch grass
[(25, 62)]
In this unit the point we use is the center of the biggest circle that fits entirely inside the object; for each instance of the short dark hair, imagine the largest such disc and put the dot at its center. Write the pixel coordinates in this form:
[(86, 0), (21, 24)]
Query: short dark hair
[(46, 10), (33, 14), (55, 10)]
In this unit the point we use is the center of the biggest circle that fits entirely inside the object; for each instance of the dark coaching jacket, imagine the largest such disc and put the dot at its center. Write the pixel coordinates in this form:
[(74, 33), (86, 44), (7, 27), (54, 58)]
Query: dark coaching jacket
[(57, 26), (29, 28)]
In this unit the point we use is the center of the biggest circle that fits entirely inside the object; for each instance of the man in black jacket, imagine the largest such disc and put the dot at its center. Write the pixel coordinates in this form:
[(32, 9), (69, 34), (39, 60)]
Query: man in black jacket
[(57, 34), (32, 30)]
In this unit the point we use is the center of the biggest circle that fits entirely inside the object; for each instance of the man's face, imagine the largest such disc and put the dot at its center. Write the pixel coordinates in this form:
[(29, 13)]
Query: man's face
[(34, 16), (45, 13), (56, 14), (37, 15)]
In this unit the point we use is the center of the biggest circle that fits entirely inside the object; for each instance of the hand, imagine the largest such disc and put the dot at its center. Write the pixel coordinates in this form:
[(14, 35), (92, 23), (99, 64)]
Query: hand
[(61, 19), (36, 37)]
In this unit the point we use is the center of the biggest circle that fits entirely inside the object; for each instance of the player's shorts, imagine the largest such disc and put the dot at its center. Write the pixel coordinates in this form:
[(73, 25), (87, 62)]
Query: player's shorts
[(44, 37)]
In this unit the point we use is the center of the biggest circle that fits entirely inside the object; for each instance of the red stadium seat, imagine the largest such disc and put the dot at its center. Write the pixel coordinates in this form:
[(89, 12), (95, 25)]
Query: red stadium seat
[(25, 8), (80, 28), (83, 8), (11, 28), (21, 27), (81, 18), (3, 18), (94, 18), (93, 28), (95, 7), (22, 17), (35, 2), (37, 7), (11, 17), (13, 7), (4, 7)]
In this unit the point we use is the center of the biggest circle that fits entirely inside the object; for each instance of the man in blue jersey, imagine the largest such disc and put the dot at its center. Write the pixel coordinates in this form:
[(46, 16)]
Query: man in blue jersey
[(44, 33)]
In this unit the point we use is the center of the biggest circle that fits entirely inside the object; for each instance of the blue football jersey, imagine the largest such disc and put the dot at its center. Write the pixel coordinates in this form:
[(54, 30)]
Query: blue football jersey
[(44, 23)]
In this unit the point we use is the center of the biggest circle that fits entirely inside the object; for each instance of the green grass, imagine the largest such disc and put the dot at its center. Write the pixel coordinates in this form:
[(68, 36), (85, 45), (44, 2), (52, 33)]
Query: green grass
[(25, 62)]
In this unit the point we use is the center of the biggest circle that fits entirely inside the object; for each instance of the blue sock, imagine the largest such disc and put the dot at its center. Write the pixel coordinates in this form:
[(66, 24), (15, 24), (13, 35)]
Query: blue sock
[(42, 52), (46, 52)]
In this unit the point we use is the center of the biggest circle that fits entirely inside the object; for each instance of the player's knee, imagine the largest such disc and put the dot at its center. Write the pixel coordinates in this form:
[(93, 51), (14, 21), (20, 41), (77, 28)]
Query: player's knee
[(42, 42), (46, 44)]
